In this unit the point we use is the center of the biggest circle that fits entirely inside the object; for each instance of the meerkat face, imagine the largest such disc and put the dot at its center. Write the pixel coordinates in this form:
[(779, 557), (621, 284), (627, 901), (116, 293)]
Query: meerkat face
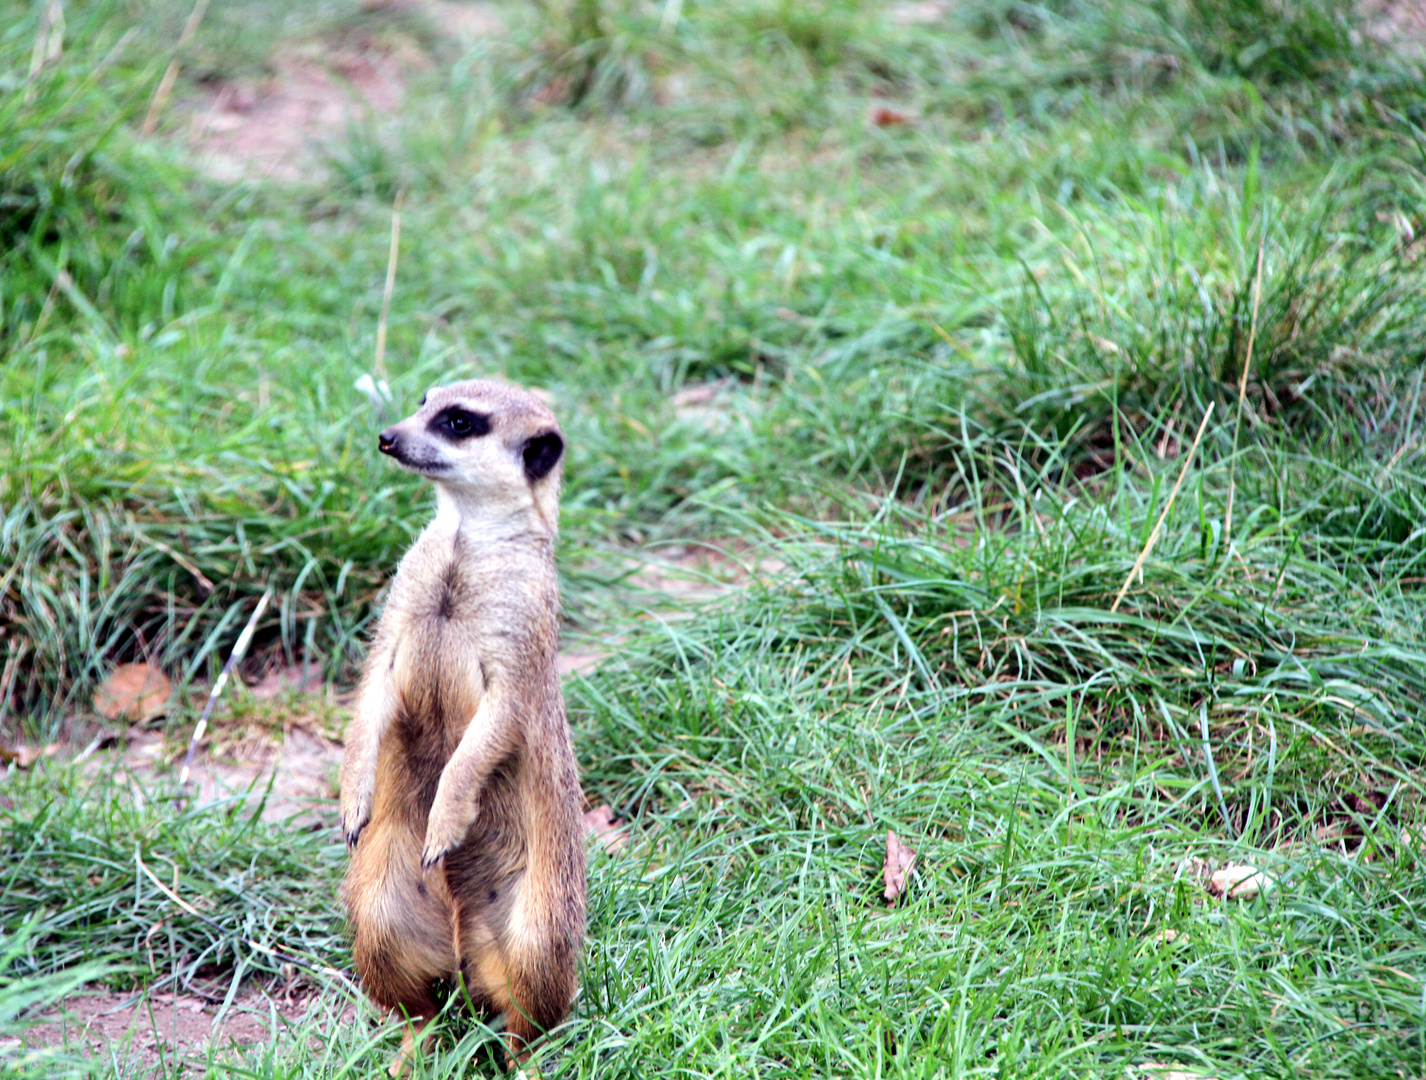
[(494, 447)]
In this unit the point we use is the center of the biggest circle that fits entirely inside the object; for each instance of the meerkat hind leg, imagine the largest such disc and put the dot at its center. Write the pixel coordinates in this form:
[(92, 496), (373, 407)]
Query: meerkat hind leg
[(491, 984), (531, 988)]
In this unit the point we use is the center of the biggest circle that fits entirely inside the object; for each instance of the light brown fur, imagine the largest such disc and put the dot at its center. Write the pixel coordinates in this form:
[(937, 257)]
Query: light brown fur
[(460, 797)]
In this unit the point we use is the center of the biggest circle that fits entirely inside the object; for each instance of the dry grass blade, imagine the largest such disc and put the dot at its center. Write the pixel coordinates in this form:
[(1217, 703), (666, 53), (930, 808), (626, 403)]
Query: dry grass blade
[(170, 74), (378, 363), (1243, 394), (1158, 525), (49, 40)]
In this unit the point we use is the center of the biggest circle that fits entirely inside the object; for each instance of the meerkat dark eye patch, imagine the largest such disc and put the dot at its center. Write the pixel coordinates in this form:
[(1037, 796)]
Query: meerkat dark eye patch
[(456, 424), (541, 454)]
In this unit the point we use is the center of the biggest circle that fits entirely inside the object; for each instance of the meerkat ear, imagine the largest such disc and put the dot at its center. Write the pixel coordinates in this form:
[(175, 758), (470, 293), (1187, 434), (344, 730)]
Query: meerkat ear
[(541, 454)]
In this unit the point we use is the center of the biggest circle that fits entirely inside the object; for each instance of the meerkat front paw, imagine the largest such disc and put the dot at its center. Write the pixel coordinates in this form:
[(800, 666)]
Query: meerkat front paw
[(358, 789), (356, 810), (445, 829), (352, 825), (354, 820)]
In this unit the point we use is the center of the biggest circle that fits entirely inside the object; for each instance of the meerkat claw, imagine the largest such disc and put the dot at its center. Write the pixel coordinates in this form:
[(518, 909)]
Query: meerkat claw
[(352, 827)]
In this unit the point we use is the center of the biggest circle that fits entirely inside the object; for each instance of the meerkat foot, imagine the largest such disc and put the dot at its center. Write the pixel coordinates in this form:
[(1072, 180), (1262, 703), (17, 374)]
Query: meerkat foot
[(418, 1035), (517, 1059)]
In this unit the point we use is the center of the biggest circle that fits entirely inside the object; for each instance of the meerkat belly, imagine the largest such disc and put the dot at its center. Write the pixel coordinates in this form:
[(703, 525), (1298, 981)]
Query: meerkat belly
[(439, 687), (484, 871)]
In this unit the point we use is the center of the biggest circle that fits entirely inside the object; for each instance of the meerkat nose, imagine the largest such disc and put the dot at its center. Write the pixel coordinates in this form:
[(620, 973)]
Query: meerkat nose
[(386, 441)]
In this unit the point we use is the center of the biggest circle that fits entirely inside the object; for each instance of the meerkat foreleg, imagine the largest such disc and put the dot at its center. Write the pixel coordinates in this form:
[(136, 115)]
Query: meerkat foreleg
[(485, 742), (375, 708)]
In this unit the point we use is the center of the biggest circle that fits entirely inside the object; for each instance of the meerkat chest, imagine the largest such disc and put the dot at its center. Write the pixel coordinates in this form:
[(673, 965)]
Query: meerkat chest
[(438, 661)]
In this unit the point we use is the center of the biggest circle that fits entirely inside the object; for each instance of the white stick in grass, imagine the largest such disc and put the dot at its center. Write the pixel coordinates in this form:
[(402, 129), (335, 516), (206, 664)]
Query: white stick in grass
[(379, 360), (1154, 536), (234, 658)]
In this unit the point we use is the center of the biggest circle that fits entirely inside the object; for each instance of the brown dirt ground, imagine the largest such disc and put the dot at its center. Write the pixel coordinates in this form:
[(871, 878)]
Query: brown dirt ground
[(276, 127), (671, 582), (1397, 23), (301, 764), (155, 1028)]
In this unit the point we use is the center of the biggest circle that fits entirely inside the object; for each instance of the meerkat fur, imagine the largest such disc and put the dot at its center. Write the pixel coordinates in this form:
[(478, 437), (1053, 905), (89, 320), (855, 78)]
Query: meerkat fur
[(460, 800)]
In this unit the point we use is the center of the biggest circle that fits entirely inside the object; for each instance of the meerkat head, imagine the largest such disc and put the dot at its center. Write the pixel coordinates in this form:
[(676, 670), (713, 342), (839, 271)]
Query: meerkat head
[(494, 451)]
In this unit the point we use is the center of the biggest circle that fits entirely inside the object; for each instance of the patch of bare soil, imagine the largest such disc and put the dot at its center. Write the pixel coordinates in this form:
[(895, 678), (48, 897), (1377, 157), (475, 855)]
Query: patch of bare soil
[(277, 127), (919, 11), (1400, 24), (155, 1028), (670, 582), (686, 575), (274, 741), (295, 771), (582, 658), (465, 22)]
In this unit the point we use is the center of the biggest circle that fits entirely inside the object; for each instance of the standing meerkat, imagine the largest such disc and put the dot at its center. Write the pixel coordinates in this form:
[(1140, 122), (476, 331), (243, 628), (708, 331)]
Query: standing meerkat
[(460, 798)]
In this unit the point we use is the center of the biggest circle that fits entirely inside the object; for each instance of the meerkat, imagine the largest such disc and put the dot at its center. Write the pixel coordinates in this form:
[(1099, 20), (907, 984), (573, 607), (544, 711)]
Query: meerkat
[(460, 799)]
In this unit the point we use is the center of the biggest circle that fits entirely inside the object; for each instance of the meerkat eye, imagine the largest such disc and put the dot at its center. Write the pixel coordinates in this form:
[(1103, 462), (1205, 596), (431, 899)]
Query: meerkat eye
[(458, 423)]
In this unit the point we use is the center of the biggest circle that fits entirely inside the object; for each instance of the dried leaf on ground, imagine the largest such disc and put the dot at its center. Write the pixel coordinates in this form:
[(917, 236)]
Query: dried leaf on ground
[(133, 692), (703, 393), (1239, 882), (602, 824), (25, 756), (896, 870)]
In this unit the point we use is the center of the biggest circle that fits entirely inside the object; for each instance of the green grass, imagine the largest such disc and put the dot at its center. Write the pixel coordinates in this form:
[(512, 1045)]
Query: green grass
[(960, 362)]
